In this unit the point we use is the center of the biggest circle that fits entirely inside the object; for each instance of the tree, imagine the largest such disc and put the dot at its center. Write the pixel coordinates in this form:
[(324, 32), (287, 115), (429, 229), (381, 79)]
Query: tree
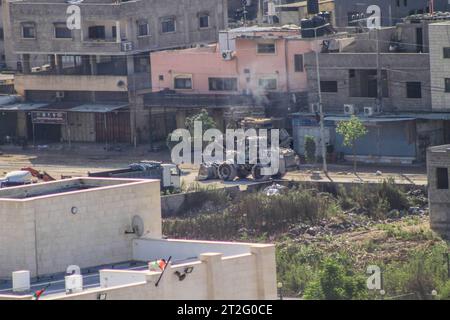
[(206, 120), (310, 149), (207, 123), (351, 130)]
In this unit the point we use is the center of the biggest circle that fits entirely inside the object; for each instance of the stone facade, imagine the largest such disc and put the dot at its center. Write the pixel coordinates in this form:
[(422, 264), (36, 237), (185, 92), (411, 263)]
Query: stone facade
[(439, 65), (438, 159)]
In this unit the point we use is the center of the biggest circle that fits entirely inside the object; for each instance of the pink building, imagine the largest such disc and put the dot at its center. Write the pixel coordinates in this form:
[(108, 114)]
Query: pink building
[(251, 71), (253, 60)]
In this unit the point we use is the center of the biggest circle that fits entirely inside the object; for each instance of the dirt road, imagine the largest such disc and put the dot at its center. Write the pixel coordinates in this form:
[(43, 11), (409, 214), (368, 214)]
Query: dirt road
[(59, 161)]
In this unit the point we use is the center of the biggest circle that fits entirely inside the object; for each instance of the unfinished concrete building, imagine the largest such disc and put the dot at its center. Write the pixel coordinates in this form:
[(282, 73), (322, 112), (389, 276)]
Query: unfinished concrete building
[(389, 89), (79, 72), (438, 166), (102, 233)]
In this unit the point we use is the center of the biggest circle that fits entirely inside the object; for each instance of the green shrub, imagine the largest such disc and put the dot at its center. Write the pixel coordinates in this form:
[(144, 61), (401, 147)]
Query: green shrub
[(310, 149), (336, 282)]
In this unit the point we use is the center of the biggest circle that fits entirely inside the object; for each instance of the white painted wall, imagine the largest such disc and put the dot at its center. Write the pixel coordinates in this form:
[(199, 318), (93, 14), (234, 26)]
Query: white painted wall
[(43, 236)]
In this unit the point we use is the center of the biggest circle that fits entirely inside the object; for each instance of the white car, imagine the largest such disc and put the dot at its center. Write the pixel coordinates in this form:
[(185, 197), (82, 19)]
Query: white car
[(16, 178)]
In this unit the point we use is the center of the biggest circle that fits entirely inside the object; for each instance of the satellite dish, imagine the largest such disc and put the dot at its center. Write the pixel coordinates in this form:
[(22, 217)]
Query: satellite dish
[(137, 224)]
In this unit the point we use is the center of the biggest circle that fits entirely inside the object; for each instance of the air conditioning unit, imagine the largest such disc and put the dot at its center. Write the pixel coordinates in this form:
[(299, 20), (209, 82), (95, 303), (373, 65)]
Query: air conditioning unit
[(314, 108), (349, 109), (127, 46), (227, 55), (369, 111), (59, 94)]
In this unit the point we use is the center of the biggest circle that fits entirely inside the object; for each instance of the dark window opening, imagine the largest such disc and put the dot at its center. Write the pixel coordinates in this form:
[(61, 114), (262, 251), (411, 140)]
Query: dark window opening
[(62, 32), (222, 84), (442, 178), (114, 32), (447, 84), (268, 84), (204, 21), (183, 83), (364, 83), (328, 86), (97, 32), (414, 90), (446, 51), (298, 61), (28, 31), (142, 28), (168, 25), (266, 48)]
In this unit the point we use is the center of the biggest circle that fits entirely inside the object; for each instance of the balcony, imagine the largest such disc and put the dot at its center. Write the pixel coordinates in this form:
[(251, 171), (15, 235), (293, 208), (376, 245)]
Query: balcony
[(51, 82)]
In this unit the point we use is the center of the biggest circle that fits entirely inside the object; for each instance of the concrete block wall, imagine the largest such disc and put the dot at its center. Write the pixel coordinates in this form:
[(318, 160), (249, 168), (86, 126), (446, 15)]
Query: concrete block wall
[(439, 67), (401, 68), (439, 200), (17, 245), (43, 235)]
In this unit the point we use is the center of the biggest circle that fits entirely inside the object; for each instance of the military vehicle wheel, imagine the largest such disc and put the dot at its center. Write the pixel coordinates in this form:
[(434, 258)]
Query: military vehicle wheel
[(279, 175), (227, 172), (243, 173), (257, 175)]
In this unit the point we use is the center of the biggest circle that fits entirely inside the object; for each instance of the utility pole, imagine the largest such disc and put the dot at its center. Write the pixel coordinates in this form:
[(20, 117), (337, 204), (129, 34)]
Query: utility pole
[(379, 77), (322, 118)]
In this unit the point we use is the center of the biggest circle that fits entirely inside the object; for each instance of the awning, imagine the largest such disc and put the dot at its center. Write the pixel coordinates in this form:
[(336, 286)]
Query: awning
[(366, 120), (98, 107), (22, 106), (7, 99)]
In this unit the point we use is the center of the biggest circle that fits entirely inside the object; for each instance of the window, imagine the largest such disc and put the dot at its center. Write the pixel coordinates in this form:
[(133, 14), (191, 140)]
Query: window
[(328, 86), (28, 31), (266, 48), (268, 84), (1, 34), (447, 84), (168, 25), (203, 20), (114, 32), (62, 32), (446, 51), (298, 62), (414, 90), (183, 82), (222, 84), (97, 32), (442, 178), (143, 29), (161, 77)]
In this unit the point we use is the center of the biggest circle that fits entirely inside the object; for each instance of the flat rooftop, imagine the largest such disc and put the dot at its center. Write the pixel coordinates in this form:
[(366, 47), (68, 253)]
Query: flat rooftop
[(64, 187), (91, 278)]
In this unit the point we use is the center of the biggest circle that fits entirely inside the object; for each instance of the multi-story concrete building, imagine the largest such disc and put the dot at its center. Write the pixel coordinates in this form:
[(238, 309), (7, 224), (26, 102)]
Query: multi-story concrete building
[(251, 71), (438, 166), (294, 11), (396, 106), (102, 234), (79, 72), (392, 11), (440, 65)]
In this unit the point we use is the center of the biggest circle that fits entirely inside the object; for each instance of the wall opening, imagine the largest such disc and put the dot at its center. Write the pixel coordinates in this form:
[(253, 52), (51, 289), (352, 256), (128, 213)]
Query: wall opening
[(442, 178)]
